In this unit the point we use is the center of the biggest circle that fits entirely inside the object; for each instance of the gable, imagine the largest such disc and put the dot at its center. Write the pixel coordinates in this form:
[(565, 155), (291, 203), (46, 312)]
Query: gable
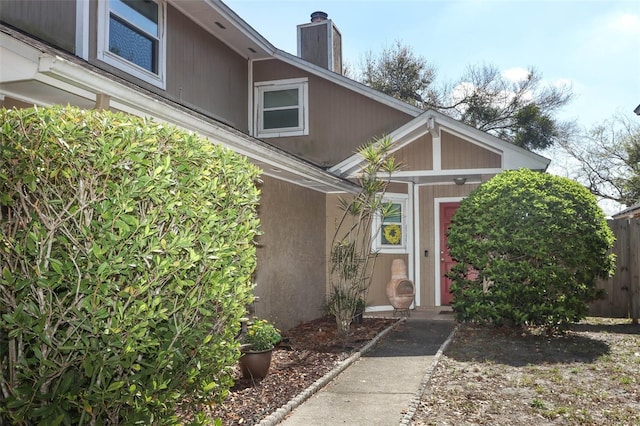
[(417, 155), (458, 153), (433, 147)]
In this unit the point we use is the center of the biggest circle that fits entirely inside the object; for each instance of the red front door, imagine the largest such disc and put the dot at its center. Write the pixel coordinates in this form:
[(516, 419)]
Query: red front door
[(446, 212)]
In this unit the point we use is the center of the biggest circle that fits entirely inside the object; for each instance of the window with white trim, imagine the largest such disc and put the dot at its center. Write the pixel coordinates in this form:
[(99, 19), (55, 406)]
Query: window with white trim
[(131, 37), (390, 227), (282, 108)]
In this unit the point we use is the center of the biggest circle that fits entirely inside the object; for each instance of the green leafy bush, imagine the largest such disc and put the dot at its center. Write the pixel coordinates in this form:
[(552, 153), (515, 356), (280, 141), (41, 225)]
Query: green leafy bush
[(261, 335), (529, 248), (126, 250)]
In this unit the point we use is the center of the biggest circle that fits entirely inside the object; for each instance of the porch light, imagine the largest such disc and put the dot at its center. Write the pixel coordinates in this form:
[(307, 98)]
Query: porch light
[(460, 180)]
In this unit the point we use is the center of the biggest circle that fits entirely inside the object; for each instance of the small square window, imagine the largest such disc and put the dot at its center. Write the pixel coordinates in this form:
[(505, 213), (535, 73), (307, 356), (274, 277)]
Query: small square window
[(390, 227), (391, 233), (130, 37), (281, 108)]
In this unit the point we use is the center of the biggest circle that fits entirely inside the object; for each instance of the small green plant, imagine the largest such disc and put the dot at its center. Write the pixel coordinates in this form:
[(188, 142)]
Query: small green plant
[(352, 258), (536, 403), (261, 335)]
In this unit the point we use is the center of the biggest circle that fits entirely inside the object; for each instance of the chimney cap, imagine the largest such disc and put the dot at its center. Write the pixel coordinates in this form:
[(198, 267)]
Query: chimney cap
[(319, 16)]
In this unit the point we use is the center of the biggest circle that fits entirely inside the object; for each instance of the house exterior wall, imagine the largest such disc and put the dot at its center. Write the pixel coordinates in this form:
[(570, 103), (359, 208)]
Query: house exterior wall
[(427, 232), (13, 103), (382, 271), (456, 153), (202, 73), (332, 218), (205, 74), (418, 155), (291, 271), (341, 120), (53, 21), (381, 275), (460, 154)]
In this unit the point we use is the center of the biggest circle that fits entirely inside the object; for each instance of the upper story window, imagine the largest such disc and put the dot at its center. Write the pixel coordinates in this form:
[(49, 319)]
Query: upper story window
[(131, 37), (282, 108), (391, 228)]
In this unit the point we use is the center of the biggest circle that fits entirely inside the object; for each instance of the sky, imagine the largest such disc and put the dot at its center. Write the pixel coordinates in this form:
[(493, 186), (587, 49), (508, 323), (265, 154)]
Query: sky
[(592, 46)]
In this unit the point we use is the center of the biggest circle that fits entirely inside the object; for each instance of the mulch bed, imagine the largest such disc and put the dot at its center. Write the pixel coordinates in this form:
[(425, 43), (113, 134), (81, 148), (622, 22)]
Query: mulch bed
[(307, 353)]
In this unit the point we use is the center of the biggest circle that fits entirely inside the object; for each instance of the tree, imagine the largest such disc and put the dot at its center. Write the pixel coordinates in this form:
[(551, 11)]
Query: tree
[(352, 260), (529, 247), (608, 159), (521, 110), (398, 72)]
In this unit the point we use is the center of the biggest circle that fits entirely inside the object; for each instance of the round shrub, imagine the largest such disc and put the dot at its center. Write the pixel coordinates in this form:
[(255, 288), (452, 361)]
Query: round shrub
[(126, 249), (530, 247)]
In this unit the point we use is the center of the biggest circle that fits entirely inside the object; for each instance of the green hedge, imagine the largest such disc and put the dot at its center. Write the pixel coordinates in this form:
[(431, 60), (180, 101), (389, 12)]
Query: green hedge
[(537, 244), (126, 250)]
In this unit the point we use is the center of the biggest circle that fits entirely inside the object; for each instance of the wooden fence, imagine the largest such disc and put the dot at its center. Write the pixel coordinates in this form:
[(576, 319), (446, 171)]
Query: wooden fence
[(623, 289)]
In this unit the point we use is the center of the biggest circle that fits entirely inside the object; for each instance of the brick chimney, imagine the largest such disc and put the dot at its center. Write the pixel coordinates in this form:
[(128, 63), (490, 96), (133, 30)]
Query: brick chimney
[(320, 42)]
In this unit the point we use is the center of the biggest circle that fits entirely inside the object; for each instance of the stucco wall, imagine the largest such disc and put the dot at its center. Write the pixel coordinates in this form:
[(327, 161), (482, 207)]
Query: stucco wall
[(291, 254)]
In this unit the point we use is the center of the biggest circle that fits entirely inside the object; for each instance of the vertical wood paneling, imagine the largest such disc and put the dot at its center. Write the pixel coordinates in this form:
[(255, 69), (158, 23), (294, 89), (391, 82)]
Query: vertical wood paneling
[(51, 20), (623, 289), (418, 155), (204, 73), (313, 44), (634, 260), (460, 154)]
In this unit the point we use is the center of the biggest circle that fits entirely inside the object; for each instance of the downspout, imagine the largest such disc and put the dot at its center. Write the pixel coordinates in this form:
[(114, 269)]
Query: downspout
[(250, 96)]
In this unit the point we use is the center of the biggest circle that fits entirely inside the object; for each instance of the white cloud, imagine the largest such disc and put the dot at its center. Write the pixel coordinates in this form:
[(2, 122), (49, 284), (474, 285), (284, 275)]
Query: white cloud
[(625, 23), (613, 35), (515, 74), (562, 82)]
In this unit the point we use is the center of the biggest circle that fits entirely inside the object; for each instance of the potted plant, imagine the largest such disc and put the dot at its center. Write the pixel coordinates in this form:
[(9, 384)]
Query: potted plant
[(258, 343)]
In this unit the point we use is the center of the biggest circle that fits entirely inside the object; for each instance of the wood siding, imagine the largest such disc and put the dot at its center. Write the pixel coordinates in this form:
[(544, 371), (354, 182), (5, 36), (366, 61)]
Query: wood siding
[(53, 21), (340, 120), (204, 73), (314, 47), (290, 276), (418, 155), (313, 44), (460, 154)]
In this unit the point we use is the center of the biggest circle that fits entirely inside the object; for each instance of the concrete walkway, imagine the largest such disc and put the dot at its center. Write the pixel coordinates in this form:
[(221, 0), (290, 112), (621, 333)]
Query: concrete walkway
[(380, 387)]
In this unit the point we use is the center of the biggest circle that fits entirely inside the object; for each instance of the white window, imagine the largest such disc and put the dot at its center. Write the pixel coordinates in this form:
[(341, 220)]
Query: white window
[(131, 37), (390, 228), (282, 108)]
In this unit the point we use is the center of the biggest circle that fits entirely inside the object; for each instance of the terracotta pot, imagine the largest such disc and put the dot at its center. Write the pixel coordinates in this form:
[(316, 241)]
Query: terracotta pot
[(255, 365)]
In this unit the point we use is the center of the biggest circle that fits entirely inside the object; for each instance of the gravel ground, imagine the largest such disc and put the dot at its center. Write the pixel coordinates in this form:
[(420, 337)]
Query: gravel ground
[(489, 376)]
